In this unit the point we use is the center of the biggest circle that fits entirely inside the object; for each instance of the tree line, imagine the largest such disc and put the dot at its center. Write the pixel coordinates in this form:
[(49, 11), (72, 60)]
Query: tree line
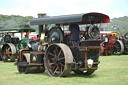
[(14, 21)]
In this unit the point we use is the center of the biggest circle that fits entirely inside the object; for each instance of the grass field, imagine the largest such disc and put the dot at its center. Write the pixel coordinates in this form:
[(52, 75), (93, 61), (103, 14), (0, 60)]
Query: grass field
[(113, 70)]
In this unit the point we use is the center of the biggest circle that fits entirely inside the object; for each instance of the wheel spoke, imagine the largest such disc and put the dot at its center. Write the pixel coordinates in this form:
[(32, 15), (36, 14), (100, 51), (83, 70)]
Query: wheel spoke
[(51, 64), (9, 56), (61, 69), (10, 52), (59, 53), (62, 58), (52, 54), (61, 64), (56, 50), (9, 48), (55, 69)]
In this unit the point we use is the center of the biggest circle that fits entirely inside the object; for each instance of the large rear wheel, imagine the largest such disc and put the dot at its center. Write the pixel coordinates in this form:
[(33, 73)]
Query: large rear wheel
[(7, 54), (58, 60)]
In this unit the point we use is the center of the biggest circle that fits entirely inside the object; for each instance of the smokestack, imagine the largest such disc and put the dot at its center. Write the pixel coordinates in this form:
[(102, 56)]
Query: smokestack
[(41, 15)]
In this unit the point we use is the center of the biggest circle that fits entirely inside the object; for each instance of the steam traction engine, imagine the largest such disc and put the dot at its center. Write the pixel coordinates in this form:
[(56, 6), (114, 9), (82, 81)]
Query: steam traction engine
[(55, 53), (110, 44), (10, 45)]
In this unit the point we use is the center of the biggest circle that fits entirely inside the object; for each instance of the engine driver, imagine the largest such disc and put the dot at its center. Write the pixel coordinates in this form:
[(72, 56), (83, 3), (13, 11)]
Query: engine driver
[(74, 34)]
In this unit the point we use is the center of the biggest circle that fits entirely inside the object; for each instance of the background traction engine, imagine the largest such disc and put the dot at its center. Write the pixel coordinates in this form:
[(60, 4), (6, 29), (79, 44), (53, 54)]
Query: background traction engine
[(107, 45), (55, 54), (111, 45), (10, 44), (9, 48)]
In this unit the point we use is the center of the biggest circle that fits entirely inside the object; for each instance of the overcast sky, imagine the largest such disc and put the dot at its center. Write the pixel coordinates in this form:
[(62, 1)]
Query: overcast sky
[(113, 8)]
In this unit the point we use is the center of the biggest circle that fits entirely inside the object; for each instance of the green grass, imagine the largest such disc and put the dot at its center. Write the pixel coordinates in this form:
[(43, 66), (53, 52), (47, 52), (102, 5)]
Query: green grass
[(113, 70)]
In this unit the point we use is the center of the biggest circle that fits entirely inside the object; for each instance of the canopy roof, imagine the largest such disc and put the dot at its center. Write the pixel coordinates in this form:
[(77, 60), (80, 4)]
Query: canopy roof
[(26, 30), (87, 18), (9, 29), (23, 29)]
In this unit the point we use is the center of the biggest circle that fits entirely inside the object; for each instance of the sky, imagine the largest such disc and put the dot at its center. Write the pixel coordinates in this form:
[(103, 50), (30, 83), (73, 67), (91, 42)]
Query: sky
[(112, 8)]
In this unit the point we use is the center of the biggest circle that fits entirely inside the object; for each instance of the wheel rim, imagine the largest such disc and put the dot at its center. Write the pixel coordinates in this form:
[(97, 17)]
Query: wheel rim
[(55, 61)]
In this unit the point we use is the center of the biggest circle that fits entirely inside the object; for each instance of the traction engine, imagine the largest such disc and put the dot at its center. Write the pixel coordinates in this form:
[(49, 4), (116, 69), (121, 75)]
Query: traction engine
[(110, 44), (55, 53)]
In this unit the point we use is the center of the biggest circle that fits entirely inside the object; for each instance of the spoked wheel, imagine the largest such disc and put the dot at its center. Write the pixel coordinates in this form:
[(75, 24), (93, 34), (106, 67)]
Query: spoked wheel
[(7, 55), (58, 60), (88, 72), (119, 47)]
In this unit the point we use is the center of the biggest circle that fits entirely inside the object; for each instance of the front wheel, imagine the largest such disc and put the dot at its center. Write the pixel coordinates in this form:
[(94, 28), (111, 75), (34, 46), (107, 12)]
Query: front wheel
[(25, 67), (22, 69)]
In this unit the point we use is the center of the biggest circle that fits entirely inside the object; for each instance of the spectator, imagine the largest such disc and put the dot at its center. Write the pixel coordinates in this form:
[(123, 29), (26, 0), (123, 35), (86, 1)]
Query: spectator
[(25, 37)]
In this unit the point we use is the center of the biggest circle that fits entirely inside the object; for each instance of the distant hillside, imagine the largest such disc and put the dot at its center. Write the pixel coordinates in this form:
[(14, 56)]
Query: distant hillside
[(13, 21), (119, 24)]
